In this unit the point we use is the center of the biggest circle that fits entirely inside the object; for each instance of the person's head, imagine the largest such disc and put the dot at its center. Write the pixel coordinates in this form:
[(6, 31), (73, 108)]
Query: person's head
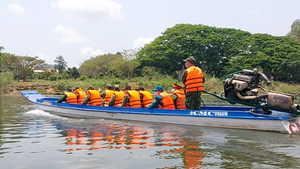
[(108, 87), (77, 87), (176, 87), (158, 90), (90, 88), (141, 89), (190, 61), (127, 88), (68, 89), (117, 88)]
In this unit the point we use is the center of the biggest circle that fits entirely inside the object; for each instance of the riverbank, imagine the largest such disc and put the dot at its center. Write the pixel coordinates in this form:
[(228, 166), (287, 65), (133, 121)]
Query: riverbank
[(58, 87)]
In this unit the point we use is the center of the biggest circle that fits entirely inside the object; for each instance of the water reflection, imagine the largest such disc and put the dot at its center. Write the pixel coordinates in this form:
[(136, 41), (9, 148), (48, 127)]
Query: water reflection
[(121, 136), (38, 139)]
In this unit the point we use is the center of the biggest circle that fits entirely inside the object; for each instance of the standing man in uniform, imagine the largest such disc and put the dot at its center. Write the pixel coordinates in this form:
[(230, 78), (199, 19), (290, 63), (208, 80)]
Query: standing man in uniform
[(193, 80)]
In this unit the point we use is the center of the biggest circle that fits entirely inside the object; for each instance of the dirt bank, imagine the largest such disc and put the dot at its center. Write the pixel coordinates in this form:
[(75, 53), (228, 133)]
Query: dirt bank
[(42, 88)]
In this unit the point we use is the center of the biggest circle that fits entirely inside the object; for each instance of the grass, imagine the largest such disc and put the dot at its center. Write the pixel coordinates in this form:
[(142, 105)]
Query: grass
[(57, 87), (6, 79)]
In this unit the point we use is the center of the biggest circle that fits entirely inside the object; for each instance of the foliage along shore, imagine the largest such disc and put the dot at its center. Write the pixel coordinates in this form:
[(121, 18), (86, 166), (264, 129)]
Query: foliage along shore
[(57, 87)]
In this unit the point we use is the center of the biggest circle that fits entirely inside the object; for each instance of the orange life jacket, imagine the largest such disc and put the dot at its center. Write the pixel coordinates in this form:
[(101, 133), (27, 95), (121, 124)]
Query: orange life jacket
[(108, 95), (95, 98), (180, 102), (119, 97), (135, 99), (167, 101), (81, 95), (147, 98), (71, 98), (194, 80)]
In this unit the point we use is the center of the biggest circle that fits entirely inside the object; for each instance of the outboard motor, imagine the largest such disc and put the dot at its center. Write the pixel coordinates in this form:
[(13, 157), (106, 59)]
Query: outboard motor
[(243, 88), (244, 85)]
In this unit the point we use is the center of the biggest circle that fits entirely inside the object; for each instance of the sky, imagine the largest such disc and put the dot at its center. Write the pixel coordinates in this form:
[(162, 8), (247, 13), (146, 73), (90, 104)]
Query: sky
[(80, 29)]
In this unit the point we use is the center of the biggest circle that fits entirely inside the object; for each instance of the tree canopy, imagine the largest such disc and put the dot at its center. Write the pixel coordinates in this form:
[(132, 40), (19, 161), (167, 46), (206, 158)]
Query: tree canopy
[(21, 66), (295, 30), (108, 65), (1, 48), (222, 50), (60, 64)]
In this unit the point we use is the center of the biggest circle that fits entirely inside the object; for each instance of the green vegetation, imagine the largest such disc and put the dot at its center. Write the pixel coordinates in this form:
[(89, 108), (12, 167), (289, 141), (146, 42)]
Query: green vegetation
[(6, 79), (21, 66), (219, 51), (295, 30), (60, 64)]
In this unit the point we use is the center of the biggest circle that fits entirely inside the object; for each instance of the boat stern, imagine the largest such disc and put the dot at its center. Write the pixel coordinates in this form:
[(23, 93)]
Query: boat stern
[(292, 125)]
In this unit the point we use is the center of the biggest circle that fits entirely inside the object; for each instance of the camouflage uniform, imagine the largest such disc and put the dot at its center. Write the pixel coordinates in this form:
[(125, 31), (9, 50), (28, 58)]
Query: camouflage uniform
[(192, 99)]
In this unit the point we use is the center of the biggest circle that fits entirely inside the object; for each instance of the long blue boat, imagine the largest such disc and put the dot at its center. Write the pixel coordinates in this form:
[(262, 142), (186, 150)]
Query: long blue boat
[(213, 116)]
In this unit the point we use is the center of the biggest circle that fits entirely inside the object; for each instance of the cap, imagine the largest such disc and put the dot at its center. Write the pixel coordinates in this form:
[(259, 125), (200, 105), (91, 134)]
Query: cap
[(108, 85), (158, 88), (91, 87), (177, 86), (68, 88), (128, 88), (190, 59)]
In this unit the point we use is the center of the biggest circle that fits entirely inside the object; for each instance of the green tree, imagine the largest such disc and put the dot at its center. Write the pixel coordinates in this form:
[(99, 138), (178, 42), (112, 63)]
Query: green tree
[(100, 65), (1, 67), (21, 66), (125, 67), (276, 56), (295, 31), (60, 64), (212, 47), (73, 72)]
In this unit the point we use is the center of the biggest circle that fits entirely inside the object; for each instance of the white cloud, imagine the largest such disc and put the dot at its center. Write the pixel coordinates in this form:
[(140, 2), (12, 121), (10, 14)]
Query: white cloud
[(88, 51), (69, 35), (89, 8), (140, 42), (45, 57), (16, 8)]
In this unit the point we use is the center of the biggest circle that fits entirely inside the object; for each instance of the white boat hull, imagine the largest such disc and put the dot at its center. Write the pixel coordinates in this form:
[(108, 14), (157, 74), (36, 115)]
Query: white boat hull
[(284, 126)]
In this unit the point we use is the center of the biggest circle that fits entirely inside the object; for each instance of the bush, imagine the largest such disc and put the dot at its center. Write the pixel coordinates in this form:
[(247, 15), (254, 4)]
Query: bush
[(6, 79), (82, 78), (53, 78), (60, 86), (44, 75), (65, 75)]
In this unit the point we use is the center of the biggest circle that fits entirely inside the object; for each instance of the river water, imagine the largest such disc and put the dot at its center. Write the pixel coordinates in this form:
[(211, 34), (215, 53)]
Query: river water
[(35, 139)]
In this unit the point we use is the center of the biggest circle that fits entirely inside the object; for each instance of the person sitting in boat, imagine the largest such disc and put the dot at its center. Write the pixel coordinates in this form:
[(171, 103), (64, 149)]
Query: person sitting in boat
[(68, 97), (146, 97), (107, 94), (81, 94), (93, 97), (117, 97), (178, 97), (162, 99), (131, 98)]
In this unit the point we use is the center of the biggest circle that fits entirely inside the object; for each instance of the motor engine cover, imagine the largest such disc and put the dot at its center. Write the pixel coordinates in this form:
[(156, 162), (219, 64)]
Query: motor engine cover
[(280, 101)]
